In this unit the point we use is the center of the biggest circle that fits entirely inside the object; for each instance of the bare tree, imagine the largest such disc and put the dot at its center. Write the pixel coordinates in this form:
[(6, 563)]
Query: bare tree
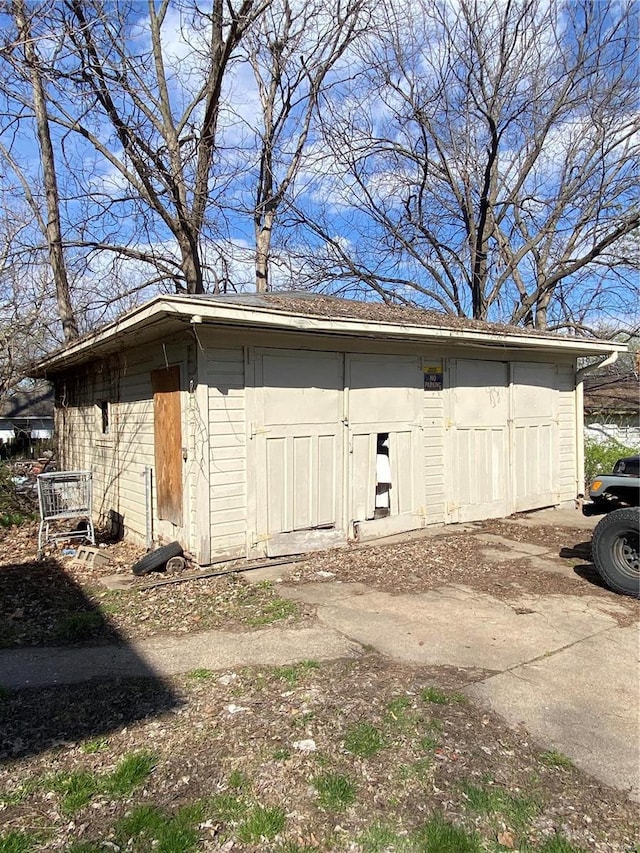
[(109, 67), (28, 319), (487, 159), (51, 228), (295, 52)]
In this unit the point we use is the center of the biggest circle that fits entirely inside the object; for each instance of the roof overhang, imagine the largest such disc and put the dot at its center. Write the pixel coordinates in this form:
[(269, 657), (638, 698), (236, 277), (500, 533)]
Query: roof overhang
[(165, 315)]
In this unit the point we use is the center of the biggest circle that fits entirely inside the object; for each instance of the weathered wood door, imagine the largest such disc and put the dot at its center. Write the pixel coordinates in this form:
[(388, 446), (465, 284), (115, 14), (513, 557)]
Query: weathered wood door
[(297, 426), (385, 399), (167, 431), (478, 440), (535, 445)]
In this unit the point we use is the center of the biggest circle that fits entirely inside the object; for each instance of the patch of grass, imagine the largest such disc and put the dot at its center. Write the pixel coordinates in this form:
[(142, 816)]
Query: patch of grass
[(293, 673), (262, 822), (4, 694), (493, 800), (97, 745), (148, 827), (364, 740), (15, 519), (227, 807), (439, 697), (14, 798), (17, 842), (281, 754), (238, 781), (429, 743), (75, 789), (131, 772), (399, 712), (84, 847), (441, 836), (111, 603), (200, 674), (555, 759), (274, 610), (380, 838), (78, 627), (335, 791), (293, 847)]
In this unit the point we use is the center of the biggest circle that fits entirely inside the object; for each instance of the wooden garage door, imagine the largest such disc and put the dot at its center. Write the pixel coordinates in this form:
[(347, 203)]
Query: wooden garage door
[(298, 432), (385, 396), (535, 435), (478, 440)]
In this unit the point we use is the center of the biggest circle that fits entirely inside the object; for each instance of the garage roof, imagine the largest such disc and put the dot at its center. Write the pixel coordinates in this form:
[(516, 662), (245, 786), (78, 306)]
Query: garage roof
[(313, 314)]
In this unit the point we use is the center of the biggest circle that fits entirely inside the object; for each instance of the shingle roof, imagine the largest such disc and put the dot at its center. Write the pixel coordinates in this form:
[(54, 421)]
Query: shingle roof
[(36, 403), (300, 302)]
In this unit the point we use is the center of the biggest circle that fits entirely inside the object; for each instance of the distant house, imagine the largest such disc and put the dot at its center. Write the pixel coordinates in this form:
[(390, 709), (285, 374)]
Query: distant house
[(612, 408), (27, 415)]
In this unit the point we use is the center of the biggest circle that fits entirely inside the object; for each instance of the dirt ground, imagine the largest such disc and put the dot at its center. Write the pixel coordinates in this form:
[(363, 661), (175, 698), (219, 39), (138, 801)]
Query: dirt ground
[(363, 755)]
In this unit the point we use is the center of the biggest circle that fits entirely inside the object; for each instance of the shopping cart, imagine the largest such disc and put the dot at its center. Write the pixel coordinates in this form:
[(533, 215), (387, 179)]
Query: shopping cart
[(64, 496)]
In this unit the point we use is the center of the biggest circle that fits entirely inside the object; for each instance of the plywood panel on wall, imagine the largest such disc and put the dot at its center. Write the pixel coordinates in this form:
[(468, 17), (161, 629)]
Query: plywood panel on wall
[(167, 429)]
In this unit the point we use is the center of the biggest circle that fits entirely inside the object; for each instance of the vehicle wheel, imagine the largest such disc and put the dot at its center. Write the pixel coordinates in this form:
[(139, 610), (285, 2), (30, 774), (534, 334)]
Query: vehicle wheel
[(156, 559), (615, 550)]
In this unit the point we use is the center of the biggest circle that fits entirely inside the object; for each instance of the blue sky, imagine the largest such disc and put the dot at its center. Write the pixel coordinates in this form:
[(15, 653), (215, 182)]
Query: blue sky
[(371, 112)]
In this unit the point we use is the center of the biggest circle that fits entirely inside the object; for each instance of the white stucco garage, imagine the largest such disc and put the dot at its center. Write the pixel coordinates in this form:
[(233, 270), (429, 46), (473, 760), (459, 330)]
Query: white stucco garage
[(251, 425)]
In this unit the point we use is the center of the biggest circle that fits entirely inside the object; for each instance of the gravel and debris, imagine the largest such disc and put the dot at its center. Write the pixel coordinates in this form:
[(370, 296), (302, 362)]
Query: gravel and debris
[(242, 739)]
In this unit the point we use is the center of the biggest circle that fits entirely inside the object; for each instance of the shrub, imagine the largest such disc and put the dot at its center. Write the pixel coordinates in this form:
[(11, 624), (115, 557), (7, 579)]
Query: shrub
[(16, 505), (601, 456)]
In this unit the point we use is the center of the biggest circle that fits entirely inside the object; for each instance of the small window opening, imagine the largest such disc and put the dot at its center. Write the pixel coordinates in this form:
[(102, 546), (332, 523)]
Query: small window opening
[(383, 477), (104, 417)]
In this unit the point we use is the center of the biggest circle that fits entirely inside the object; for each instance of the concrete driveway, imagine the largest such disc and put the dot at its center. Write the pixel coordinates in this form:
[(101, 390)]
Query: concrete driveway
[(566, 667)]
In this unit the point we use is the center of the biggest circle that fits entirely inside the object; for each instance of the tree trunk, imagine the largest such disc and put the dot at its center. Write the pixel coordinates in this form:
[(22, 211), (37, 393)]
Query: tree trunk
[(53, 229), (263, 247), (191, 266)]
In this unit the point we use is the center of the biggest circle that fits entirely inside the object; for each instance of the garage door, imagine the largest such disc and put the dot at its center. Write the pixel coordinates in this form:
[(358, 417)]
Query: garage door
[(478, 440), (385, 400), (298, 431), (535, 441)]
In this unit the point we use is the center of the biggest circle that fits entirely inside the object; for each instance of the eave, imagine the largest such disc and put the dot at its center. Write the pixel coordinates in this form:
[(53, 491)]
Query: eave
[(168, 314)]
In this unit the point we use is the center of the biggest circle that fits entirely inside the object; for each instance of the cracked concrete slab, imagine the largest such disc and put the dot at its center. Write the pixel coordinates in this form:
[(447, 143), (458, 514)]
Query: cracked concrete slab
[(454, 625), (582, 701)]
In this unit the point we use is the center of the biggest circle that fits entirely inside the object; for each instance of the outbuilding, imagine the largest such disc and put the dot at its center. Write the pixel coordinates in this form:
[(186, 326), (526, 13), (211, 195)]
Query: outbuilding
[(249, 425)]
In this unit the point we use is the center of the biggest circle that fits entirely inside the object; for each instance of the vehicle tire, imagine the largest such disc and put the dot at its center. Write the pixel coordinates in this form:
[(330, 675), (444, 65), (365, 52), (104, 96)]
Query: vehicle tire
[(615, 550), (156, 559)]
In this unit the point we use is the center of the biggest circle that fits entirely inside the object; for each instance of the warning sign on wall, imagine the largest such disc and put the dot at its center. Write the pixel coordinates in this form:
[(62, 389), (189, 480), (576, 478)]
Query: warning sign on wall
[(432, 376)]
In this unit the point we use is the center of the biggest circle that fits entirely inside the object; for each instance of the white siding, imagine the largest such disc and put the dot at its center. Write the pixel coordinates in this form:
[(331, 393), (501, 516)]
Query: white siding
[(135, 448), (567, 433), (118, 459), (434, 460), (227, 451)]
